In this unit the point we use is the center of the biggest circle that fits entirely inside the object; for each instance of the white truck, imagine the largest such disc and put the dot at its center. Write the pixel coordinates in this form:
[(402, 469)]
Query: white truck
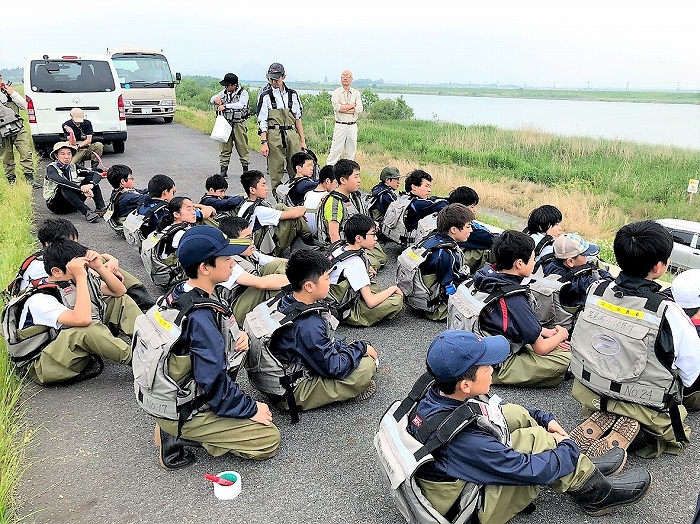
[(147, 84)]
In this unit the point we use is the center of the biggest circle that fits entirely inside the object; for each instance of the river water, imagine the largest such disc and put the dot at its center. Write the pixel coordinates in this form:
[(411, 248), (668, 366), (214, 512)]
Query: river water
[(661, 124)]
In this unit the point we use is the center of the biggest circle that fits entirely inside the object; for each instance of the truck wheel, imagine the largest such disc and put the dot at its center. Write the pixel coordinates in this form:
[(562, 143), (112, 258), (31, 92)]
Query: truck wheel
[(118, 146), (168, 119)]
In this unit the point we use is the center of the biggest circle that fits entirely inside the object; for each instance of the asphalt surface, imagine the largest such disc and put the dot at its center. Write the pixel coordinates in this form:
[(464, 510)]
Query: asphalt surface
[(92, 456)]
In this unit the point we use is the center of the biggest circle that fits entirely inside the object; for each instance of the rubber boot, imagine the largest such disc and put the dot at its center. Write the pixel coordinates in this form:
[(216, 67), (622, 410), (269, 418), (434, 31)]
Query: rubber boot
[(224, 171), (172, 453), (612, 462), (601, 494), (141, 296), (245, 167)]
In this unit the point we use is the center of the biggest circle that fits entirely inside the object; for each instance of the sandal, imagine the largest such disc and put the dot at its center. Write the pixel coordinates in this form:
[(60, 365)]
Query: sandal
[(621, 436), (592, 429)]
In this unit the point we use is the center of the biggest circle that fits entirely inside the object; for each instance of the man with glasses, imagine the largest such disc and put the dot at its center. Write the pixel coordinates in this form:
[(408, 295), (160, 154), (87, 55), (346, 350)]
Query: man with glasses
[(279, 125), (347, 105)]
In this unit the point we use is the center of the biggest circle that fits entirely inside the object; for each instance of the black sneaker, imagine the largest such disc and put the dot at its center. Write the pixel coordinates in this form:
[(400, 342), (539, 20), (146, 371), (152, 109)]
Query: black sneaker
[(91, 216)]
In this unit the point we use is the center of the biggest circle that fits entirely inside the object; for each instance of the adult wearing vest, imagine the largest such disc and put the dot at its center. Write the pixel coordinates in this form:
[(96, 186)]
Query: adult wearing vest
[(279, 125), (14, 135), (347, 105), (232, 103)]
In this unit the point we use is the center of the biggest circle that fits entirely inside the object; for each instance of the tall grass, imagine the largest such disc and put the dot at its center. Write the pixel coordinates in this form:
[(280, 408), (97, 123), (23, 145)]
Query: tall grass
[(16, 243)]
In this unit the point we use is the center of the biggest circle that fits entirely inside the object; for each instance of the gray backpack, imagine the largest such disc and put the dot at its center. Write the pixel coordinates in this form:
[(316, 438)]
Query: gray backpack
[(409, 276), (265, 371), (394, 223), (163, 271), (465, 307), (283, 190), (344, 296), (426, 226), (10, 121), (155, 334), (401, 456), (134, 222), (264, 237)]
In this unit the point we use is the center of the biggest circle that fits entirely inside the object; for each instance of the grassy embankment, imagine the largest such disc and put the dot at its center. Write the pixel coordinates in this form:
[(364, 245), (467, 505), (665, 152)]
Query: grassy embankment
[(598, 184)]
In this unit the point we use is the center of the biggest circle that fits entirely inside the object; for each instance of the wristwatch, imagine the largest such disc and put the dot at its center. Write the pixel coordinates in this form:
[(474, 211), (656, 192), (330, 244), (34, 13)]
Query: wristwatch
[(263, 142)]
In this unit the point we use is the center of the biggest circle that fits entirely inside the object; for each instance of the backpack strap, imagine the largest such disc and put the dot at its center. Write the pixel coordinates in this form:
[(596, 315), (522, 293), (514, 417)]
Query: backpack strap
[(546, 241), (418, 391), (445, 426)]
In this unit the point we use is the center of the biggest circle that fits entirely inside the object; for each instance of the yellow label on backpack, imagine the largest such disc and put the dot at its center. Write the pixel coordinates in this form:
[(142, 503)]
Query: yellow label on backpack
[(620, 310)]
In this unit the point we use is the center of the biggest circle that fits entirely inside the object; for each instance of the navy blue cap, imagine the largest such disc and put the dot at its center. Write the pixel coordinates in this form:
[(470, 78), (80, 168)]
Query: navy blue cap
[(202, 242), (454, 351)]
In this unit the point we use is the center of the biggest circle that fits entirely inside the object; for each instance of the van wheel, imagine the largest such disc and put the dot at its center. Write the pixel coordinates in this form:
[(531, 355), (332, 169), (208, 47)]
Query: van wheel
[(118, 146), (168, 119)]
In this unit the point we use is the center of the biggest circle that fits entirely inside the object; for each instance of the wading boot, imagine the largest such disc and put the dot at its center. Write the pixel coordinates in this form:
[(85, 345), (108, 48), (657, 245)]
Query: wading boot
[(141, 296), (172, 453), (601, 494), (612, 462), (245, 167), (224, 171)]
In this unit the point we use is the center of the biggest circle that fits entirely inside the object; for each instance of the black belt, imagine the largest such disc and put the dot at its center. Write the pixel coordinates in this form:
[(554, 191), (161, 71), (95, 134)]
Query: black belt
[(283, 133), (346, 123)]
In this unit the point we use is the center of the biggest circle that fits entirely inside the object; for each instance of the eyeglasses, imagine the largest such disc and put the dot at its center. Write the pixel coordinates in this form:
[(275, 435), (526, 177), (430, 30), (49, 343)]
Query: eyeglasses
[(372, 233)]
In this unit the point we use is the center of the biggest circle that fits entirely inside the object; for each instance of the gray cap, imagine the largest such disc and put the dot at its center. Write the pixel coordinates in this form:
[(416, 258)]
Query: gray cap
[(275, 71), (389, 172)]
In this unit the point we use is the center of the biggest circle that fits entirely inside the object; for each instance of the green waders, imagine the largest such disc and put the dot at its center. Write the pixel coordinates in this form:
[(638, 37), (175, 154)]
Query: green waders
[(502, 503), (692, 401), (239, 138), (528, 369), (220, 435), (440, 313), (361, 314), (283, 141), (655, 424), (22, 141), (287, 230), (376, 256), (252, 296), (317, 391)]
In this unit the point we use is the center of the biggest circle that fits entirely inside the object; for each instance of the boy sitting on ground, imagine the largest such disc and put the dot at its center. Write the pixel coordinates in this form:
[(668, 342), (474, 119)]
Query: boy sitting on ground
[(541, 356), (255, 277), (81, 315), (288, 222), (419, 184), (384, 193), (161, 189), (544, 225), (477, 247), (361, 302), (124, 198), (633, 351), (335, 371), (686, 293), (216, 196), (296, 188), (510, 451), (313, 199), (343, 203)]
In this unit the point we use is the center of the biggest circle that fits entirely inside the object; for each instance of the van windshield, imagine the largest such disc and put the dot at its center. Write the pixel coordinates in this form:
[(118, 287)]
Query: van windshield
[(142, 70), (71, 76)]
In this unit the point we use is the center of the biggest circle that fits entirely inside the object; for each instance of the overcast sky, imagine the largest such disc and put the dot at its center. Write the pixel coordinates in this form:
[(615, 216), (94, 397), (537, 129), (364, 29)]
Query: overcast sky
[(607, 43)]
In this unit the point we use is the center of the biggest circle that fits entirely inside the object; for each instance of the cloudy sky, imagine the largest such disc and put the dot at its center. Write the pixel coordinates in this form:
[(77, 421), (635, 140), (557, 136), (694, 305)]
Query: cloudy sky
[(651, 45)]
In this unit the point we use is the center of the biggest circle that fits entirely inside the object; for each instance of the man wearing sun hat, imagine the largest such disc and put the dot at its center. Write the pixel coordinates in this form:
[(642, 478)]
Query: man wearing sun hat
[(78, 131), (230, 420), (279, 125), (510, 450)]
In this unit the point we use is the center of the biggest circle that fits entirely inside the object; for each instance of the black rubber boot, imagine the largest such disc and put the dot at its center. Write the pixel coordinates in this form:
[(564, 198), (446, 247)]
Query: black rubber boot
[(601, 494), (224, 171), (141, 296), (245, 167), (612, 462), (172, 453)]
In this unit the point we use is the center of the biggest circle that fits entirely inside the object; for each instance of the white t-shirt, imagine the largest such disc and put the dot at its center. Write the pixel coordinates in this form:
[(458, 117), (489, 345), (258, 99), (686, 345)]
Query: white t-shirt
[(686, 343), (353, 269), (45, 310), (312, 201), (34, 271), (235, 275), (267, 216)]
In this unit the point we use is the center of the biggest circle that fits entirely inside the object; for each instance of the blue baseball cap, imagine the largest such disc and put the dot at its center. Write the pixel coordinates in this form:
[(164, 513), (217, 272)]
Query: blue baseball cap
[(202, 242), (454, 351)]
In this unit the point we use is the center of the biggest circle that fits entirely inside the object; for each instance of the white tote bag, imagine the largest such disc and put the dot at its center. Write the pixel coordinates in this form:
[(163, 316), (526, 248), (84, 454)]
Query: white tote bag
[(222, 129)]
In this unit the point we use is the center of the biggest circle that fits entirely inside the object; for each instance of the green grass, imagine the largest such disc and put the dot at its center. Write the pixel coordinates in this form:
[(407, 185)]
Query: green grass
[(16, 243)]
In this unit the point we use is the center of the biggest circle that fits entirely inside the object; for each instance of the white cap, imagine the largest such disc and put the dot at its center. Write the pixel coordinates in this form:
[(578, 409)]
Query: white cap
[(686, 289)]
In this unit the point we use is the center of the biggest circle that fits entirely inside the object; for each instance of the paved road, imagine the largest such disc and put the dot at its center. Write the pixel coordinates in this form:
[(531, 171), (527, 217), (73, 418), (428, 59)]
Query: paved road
[(92, 458)]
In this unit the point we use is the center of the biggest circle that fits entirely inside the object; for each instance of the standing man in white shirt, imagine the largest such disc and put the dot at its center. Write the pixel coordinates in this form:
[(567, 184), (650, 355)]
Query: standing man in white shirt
[(232, 103), (279, 125), (347, 105)]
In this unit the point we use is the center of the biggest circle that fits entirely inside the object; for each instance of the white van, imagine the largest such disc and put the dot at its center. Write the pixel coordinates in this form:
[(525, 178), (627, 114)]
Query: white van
[(54, 84)]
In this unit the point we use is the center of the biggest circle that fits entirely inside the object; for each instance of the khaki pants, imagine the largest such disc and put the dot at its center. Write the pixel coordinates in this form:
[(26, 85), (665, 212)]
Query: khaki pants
[(655, 424), (440, 313), (121, 314), (692, 401), (67, 356), (288, 230), (318, 391), (344, 138), (528, 369), (22, 141), (362, 315), (220, 435), (251, 297), (376, 256), (86, 154), (239, 138)]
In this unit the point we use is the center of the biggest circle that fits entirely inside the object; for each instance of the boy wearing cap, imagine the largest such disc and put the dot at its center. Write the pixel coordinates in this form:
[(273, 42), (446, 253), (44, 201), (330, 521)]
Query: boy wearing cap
[(384, 193), (66, 186), (634, 350), (232, 422), (279, 124), (510, 450), (570, 252), (78, 132), (541, 355), (232, 103)]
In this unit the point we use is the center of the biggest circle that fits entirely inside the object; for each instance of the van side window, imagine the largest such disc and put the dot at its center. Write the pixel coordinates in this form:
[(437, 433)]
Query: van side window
[(71, 76), (682, 237)]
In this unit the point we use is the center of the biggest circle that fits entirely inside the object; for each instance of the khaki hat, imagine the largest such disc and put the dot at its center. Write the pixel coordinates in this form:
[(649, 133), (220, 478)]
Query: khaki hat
[(77, 115), (62, 145), (389, 172)]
